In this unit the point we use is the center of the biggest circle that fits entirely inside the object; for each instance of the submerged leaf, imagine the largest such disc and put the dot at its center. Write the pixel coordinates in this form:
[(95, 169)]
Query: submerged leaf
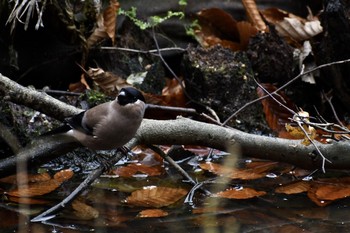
[(241, 193), (157, 197)]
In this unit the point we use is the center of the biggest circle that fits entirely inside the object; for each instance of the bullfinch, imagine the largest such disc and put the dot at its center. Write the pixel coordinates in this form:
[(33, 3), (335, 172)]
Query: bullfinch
[(109, 125)]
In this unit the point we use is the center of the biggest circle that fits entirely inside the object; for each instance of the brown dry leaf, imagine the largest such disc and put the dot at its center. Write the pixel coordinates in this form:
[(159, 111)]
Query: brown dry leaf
[(294, 188), (152, 196), (332, 192), (43, 187), (107, 81), (219, 27), (236, 173), (84, 211), (78, 86), (63, 175), (312, 196), (208, 209), (152, 213), (26, 200), (173, 94), (99, 33), (276, 116), (289, 25), (297, 132), (134, 168), (241, 193), (246, 31), (254, 15), (110, 18), (220, 22), (26, 178)]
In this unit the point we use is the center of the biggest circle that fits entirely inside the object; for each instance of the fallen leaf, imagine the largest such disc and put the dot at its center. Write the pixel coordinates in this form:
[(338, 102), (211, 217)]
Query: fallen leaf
[(84, 211), (110, 18), (332, 192), (108, 82), (254, 15), (240, 193), (292, 26), (236, 173), (136, 168), (152, 213), (312, 196), (27, 200), (42, 187), (27, 178), (152, 196), (275, 115), (294, 188)]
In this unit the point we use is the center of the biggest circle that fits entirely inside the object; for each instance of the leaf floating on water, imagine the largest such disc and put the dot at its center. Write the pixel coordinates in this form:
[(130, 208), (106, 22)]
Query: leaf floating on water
[(152, 213), (157, 197), (84, 211), (242, 193), (294, 188), (42, 187)]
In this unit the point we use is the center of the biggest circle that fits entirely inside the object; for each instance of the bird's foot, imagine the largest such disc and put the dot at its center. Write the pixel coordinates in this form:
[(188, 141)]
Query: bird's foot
[(104, 161)]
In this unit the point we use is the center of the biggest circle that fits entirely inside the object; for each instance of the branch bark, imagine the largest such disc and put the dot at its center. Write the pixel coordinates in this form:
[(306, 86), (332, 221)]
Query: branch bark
[(179, 131)]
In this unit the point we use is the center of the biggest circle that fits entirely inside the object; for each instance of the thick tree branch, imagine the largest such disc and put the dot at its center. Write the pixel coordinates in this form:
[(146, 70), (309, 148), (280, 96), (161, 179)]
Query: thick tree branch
[(179, 131)]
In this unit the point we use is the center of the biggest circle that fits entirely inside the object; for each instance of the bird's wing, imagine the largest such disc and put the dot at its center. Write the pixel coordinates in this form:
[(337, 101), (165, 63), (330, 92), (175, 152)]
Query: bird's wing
[(76, 122), (93, 117)]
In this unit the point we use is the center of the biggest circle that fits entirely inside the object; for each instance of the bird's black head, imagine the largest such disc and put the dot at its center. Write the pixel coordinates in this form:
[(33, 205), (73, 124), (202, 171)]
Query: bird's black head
[(129, 95)]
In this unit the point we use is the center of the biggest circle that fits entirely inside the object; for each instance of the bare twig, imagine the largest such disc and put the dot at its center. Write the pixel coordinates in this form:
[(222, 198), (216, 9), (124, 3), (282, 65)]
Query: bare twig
[(285, 85), (167, 157), (300, 122), (211, 111)]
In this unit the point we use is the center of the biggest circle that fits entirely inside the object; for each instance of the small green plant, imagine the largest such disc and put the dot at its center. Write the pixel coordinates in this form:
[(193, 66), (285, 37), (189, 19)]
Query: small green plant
[(152, 21), (191, 28), (95, 98)]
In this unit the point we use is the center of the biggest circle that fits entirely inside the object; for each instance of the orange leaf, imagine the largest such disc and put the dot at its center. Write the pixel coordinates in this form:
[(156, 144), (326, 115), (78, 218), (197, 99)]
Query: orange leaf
[(312, 195), (220, 23), (242, 193), (98, 34), (276, 116), (157, 197), (152, 213), (332, 192), (43, 187), (132, 169), (84, 211), (173, 93), (26, 200), (236, 173), (107, 81), (63, 175), (293, 188), (110, 18), (254, 15), (24, 177), (217, 27)]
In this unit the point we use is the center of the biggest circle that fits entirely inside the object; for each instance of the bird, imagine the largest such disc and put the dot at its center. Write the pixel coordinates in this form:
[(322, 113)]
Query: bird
[(109, 125)]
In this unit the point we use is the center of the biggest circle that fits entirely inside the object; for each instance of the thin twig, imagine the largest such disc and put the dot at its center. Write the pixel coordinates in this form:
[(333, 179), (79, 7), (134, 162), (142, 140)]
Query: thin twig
[(167, 158), (329, 100), (211, 111), (48, 214), (299, 122), (285, 85), (151, 51)]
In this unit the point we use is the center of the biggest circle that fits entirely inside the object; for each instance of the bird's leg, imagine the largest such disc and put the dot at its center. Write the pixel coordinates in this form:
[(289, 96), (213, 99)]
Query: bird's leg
[(103, 158), (125, 151)]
